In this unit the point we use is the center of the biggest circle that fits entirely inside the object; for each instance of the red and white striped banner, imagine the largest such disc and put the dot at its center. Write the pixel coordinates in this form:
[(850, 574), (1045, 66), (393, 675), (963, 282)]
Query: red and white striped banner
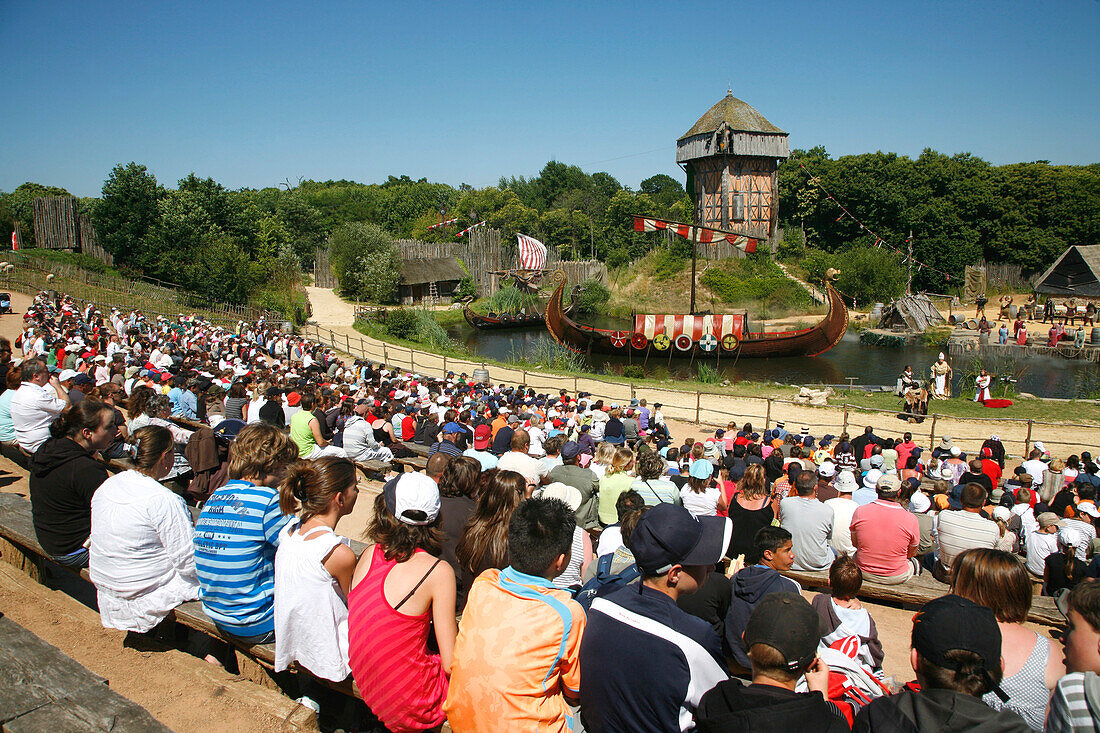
[(442, 224), (532, 253), (694, 326), (687, 231), (461, 234)]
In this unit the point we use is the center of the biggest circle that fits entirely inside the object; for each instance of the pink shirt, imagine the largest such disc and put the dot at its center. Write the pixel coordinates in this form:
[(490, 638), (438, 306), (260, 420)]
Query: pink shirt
[(882, 533)]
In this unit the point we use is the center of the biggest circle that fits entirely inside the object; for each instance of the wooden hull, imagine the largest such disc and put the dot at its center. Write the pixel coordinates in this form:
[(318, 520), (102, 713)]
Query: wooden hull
[(486, 323), (805, 342)]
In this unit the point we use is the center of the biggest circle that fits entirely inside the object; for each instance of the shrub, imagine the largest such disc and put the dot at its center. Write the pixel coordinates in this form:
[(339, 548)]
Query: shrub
[(816, 263), (869, 274), (593, 296), (707, 374), (634, 371), (754, 281), (365, 260), (792, 246), (663, 264)]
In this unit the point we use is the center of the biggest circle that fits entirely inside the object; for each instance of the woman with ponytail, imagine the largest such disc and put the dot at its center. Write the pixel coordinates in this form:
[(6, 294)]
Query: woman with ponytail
[(141, 558), (313, 568), (64, 475)]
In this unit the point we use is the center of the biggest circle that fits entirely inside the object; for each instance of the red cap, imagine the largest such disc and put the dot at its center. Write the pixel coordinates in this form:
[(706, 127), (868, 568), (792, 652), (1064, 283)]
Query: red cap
[(482, 435), (293, 399)]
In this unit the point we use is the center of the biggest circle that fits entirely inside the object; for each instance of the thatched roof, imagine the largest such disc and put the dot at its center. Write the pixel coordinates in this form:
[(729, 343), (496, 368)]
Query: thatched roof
[(1076, 272), (739, 115), (431, 270)]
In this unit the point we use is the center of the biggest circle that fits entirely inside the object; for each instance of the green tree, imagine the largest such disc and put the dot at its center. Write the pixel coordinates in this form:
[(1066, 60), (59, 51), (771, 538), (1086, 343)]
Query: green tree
[(365, 260), (127, 211)]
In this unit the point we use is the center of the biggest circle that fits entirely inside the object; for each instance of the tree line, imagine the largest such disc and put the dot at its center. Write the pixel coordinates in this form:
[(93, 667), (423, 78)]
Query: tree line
[(234, 244)]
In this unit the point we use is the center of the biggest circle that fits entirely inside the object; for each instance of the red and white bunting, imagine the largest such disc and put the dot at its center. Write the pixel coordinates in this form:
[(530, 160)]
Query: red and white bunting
[(461, 234), (532, 253), (687, 231), (442, 224)]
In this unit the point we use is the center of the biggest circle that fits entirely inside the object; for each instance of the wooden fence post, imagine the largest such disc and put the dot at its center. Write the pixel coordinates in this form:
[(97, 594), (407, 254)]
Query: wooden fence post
[(1027, 440), (524, 376), (768, 416), (575, 387), (385, 354), (347, 342), (632, 390), (844, 427), (932, 434), (698, 395), (444, 366), (362, 348), (412, 361)]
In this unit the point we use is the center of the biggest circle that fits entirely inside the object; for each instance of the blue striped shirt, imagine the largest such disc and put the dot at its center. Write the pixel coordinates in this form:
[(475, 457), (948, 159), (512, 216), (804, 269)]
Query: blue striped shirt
[(235, 540)]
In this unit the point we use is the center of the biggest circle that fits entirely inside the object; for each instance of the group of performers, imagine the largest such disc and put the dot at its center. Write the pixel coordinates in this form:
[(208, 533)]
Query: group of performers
[(916, 394), (1019, 333)]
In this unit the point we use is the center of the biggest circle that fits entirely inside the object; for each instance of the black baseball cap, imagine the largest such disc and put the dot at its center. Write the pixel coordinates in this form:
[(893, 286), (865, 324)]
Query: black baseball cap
[(788, 623), (669, 535), (953, 622)]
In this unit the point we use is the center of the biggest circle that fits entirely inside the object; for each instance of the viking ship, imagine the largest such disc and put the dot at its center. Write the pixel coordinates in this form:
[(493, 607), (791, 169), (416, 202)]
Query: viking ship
[(697, 336), (504, 320)]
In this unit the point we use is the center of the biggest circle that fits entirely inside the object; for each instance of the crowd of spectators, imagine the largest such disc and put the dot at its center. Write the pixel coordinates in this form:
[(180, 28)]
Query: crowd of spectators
[(560, 562)]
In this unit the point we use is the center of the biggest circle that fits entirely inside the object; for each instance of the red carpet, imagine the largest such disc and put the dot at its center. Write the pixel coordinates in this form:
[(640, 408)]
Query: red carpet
[(997, 403)]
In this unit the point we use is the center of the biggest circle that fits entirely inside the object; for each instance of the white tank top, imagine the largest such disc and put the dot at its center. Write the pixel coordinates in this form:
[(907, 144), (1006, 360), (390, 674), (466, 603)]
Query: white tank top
[(311, 612)]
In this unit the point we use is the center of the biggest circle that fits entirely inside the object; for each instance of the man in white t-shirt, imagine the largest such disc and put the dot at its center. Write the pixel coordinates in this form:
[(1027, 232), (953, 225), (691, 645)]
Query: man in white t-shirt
[(1035, 466), (519, 461), (36, 404), (843, 508), (536, 435), (1042, 542)]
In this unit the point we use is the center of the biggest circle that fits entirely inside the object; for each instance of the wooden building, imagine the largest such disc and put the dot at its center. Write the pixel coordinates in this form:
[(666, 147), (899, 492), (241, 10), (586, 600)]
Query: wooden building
[(1076, 272), (429, 279), (732, 156)]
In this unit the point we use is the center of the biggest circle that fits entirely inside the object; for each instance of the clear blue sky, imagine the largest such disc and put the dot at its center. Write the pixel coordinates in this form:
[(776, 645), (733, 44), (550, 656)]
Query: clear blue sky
[(251, 93)]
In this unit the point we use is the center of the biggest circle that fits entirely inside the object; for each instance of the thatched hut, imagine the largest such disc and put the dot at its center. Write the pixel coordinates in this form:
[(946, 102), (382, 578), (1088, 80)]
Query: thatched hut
[(429, 279), (1076, 272), (732, 156)]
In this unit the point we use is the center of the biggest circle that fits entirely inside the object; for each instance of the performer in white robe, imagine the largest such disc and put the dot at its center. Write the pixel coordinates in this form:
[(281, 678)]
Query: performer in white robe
[(981, 394), (940, 374)]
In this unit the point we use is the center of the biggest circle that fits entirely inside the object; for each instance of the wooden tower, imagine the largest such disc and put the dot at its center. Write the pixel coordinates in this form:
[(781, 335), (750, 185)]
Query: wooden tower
[(732, 156)]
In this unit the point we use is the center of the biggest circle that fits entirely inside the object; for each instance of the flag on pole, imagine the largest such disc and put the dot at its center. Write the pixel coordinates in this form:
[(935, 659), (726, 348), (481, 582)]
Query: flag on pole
[(14, 242), (699, 234), (532, 253)]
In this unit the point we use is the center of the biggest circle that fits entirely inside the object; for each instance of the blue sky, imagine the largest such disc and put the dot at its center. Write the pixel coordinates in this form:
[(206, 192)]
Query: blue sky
[(252, 93)]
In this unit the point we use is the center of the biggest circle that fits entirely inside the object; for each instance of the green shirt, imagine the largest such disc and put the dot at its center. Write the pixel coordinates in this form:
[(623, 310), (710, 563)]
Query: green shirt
[(301, 434), (610, 489)]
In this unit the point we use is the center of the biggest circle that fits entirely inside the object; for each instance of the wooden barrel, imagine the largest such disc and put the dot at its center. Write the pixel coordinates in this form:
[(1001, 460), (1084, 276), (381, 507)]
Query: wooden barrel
[(953, 319), (1095, 335), (972, 324), (481, 375)]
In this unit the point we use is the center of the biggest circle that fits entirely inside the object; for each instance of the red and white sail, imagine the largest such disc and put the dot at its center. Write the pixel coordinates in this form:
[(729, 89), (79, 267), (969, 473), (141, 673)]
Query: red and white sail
[(699, 234), (532, 253)]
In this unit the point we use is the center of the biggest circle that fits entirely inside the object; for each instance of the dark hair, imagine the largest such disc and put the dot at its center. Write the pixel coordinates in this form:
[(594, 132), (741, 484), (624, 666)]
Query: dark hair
[(84, 415), (770, 662), (553, 445), (994, 579), (308, 401), (459, 477), (1086, 491), (399, 541), (484, 540), (311, 485), (768, 539), (1085, 600), (628, 501), (651, 465), (237, 390), (973, 496), (805, 482), (967, 676), (540, 530), (845, 578)]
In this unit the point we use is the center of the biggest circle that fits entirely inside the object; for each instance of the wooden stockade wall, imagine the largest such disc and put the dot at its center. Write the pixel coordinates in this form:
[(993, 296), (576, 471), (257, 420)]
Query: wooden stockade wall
[(106, 291), (717, 409), (323, 276), (59, 225)]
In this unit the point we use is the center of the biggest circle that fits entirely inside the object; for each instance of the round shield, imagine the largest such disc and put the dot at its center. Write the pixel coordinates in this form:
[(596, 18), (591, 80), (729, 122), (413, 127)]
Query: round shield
[(729, 342), (639, 341), (708, 342), (683, 342), (661, 342), (618, 338)]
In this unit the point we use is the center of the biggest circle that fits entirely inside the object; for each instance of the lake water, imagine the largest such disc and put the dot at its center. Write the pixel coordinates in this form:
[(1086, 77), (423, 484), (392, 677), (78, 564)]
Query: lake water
[(871, 365)]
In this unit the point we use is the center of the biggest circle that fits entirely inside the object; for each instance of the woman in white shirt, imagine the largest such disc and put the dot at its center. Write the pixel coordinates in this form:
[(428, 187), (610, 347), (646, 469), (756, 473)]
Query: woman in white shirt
[(313, 568), (701, 495), (140, 555)]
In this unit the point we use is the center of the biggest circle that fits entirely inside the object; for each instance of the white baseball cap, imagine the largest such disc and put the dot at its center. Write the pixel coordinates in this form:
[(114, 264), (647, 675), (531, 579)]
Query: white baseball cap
[(66, 374), (413, 499)]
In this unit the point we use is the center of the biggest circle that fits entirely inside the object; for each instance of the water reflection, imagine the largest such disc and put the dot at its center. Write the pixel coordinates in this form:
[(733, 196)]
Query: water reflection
[(1044, 376)]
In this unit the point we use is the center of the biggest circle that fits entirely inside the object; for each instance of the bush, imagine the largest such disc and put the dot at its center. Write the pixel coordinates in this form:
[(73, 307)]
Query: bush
[(816, 263), (593, 297), (417, 325), (467, 288), (792, 246), (663, 264), (365, 260), (633, 371)]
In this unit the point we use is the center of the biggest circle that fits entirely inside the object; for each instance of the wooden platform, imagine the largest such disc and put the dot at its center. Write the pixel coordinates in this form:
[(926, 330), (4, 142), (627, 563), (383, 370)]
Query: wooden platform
[(43, 689), (918, 591)]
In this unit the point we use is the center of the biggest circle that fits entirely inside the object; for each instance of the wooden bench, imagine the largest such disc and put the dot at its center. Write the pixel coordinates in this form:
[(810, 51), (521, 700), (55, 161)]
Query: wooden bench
[(374, 470), (918, 591), (418, 449), (41, 688), (416, 463), (19, 546)]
